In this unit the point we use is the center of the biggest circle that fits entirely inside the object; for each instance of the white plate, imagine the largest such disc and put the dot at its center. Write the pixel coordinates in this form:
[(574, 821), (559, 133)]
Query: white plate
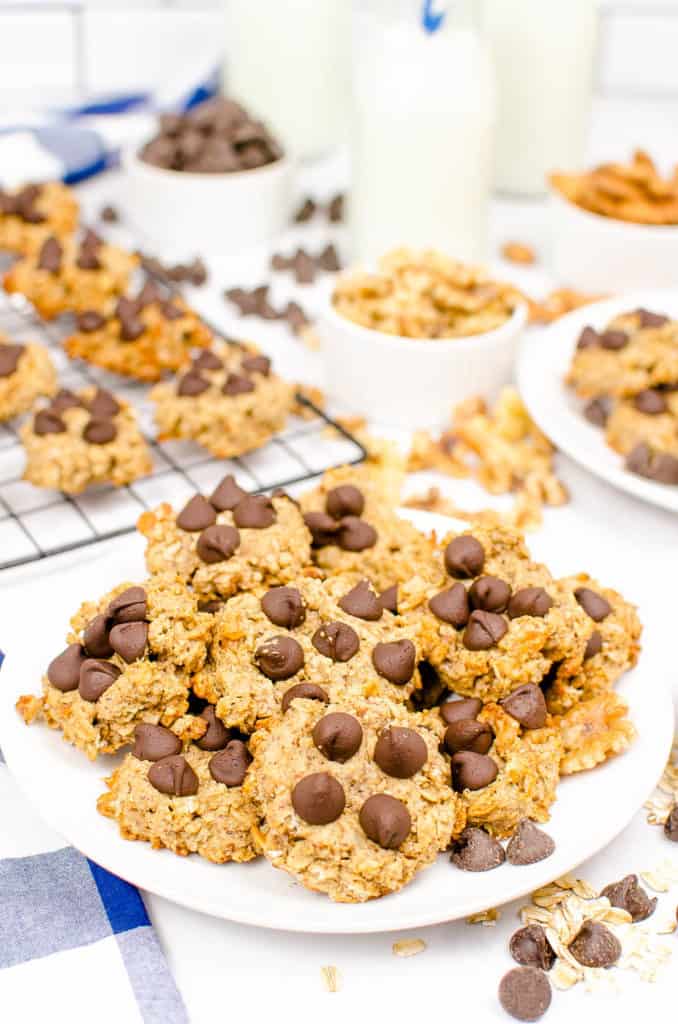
[(542, 364), (591, 808)]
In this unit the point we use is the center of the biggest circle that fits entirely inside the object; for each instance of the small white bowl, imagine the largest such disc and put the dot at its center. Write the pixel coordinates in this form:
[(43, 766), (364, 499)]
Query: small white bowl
[(209, 213), (601, 254), (410, 382)]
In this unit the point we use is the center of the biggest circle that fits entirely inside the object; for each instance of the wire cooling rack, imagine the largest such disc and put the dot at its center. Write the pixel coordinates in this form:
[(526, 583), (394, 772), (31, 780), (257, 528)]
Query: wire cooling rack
[(36, 523)]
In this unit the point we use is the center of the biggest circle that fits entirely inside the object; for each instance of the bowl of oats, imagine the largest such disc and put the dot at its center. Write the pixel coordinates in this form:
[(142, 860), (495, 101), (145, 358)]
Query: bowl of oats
[(406, 342), (615, 227)]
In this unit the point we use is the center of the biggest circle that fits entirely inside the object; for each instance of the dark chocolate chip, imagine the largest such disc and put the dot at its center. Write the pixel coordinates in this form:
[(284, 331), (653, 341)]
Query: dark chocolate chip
[(109, 214), (525, 993), (95, 678), (356, 535), (323, 528), (388, 599), (212, 607), (594, 645), (345, 500), (9, 359), (468, 734), (153, 742), (338, 736), (335, 208), (256, 364), (614, 340), (588, 338), (50, 256), (532, 601), (658, 466), (395, 660), (529, 844), (385, 820), (594, 945), (304, 691), (196, 515), (595, 606), (279, 658), (305, 212), (95, 638), (284, 606), (527, 706), (64, 399), (464, 557), (476, 850), (530, 947), (336, 640), (650, 402), (484, 630), (489, 594), (207, 360), (400, 752), (236, 384), (628, 895), (362, 603), (99, 431), (598, 410), (328, 259), (472, 771), (451, 605), (227, 494), (47, 422), (173, 776), (216, 735), (458, 710), (192, 384), (318, 798), (230, 765), (64, 670), (128, 639), (648, 319), (103, 404), (671, 825), (128, 606), (217, 544), (90, 321), (255, 512)]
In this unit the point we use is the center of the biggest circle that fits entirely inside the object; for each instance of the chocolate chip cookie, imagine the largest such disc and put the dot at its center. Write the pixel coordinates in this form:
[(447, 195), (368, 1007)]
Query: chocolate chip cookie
[(26, 372), (32, 214)]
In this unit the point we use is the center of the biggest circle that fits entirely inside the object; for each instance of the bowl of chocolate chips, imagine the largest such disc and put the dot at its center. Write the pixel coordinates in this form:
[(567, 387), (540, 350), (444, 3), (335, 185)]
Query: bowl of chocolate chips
[(213, 176)]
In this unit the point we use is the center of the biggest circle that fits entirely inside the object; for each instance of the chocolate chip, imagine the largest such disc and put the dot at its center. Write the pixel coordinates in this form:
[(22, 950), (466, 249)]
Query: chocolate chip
[(255, 512), (128, 639), (484, 630), (230, 765), (595, 606), (284, 606), (192, 384), (457, 710), (99, 431), (217, 544), (196, 515), (671, 825), (527, 706), (451, 605), (296, 317), (335, 208), (388, 599), (279, 658), (318, 798), (658, 466), (530, 947), (395, 660), (173, 776), (432, 690), (90, 321), (476, 850), (532, 601), (128, 606), (227, 494), (471, 770), (328, 259), (588, 338), (207, 360), (323, 528), (336, 640), (468, 734), (304, 691), (103, 404), (356, 535), (614, 340), (96, 677), (50, 256), (345, 500), (362, 603), (305, 212), (109, 214), (257, 364), (88, 255), (64, 670), (525, 993), (489, 594), (648, 319), (235, 384), (95, 638), (338, 736), (64, 399), (628, 895), (594, 645), (594, 945), (127, 312), (464, 557), (400, 752), (385, 820), (46, 422), (598, 410), (529, 844), (9, 358), (212, 607), (153, 742), (171, 312), (650, 402)]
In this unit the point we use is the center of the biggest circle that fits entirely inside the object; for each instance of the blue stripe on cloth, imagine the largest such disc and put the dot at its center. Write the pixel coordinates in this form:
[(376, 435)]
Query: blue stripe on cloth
[(122, 902), (152, 983)]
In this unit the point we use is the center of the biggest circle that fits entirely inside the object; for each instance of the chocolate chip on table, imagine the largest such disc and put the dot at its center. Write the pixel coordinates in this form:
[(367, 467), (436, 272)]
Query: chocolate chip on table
[(9, 358), (489, 594), (451, 605), (527, 705), (318, 798), (356, 535), (303, 266), (484, 630), (284, 606), (95, 638), (530, 947), (328, 259), (109, 214), (395, 660), (529, 844), (254, 512), (90, 321), (594, 945), (304, 691), (388, 599), (532, 601), (650, 402), (192, 384), (216, 736), (598, 410), (128, 639), (153, 742), (345, 500), (227, 494), (595, 606), (468, 734), (207, 360), (336, 640), (671, 825), (400, 752), (457, 710), (613, 340), (173, 776), (594, 645), (305, 212), (47, 422), (196, 515), (385, 820), (588, 338), (99, 431), (525, 993), (338, 736), (103, 404), (628, 895), (95, 678), (476, 850), (64, 670), (296, 317), (323, 528), (464, 557), (217, 544), (50, 256), (279, 658), (236, 384), (658, 466), (470, 770), (648, 319), (128, 606), (335, 208), (230, 765), (362, 603)]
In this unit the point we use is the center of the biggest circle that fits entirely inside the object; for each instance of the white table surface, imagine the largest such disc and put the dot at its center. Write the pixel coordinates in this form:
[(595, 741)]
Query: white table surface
[(227, 971)]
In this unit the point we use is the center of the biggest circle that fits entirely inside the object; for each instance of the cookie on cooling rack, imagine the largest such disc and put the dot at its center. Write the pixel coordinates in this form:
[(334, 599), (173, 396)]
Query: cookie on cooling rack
[(26, 373), (32, 214)]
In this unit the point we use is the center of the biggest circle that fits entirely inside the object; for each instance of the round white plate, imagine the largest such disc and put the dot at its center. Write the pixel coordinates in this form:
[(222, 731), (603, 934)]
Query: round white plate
[(542, 364), (591, 808)]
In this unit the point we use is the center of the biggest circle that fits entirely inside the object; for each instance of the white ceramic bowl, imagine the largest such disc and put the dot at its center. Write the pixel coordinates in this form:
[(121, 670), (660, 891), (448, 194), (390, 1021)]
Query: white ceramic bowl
[(601, 254), (410, 382), (208, 213)]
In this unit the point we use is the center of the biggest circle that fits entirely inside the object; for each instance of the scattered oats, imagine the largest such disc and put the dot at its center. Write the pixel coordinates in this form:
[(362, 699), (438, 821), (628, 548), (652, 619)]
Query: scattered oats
[(656, 880), (408, 947), (488, 918), (331, 978), (667, 927), (666, 794), (562, 976)]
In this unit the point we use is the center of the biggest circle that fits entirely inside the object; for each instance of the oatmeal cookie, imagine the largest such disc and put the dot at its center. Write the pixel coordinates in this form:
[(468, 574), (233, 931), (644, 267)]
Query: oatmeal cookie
[(128, 660), (229, 402), (34, 213), (328, 636), (230, 542), (71, 275), (635, 352), (354, 796), (84, 438), (593, 731), (188, 799), (650, 417), (26, 372)]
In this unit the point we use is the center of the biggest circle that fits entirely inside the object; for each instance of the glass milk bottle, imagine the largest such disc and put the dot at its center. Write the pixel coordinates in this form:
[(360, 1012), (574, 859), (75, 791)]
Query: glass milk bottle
[(544, 56), (421, 129), (288, 62)]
